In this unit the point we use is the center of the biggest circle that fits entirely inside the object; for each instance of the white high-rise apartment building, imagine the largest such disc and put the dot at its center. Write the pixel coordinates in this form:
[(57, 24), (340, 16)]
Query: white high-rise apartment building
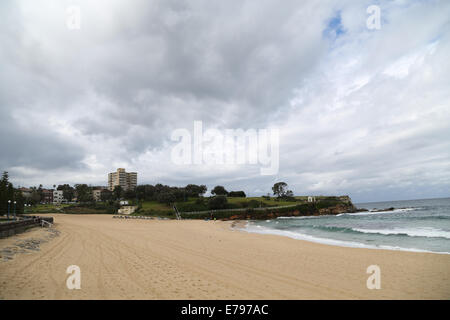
[(127, 180)]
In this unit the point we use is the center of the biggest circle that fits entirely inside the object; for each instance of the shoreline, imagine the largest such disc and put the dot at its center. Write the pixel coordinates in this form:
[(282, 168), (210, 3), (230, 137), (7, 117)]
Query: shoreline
[(196, 259), (241, 225)]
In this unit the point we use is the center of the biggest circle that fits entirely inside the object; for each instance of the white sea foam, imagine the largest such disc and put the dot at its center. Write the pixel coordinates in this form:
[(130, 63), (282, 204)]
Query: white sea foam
[(412, 232), (306, 217), (299, 236)]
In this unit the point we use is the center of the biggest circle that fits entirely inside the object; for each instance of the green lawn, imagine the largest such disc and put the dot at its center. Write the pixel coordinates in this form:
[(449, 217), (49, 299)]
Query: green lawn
[(149, 207), (155, 205), (44, 208)]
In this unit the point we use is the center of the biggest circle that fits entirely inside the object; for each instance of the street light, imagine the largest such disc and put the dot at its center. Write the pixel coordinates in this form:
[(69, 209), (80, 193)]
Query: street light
[(15, 210), (9, 204)]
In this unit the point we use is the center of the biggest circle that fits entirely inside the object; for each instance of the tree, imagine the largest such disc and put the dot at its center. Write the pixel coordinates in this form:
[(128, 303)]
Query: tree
[(68, 191), (84, 193), (35, 196), (20, 201), (10, 191), (129, 194), (240, 194), (166, 197), (117, 192), (219, 191), (146, 192), (3, 192), (40, 193), (140, 192), (217, 202), (193, 190), (179, 193), (106, 195), (202, 190), (279, 189), (69, 194), (7, 192)]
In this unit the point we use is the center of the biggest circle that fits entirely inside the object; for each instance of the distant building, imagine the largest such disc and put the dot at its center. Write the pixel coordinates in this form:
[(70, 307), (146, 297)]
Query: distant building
[(97, 193), (26, 193), (311, 199), (58, 197), (47, 196), (127, 180), (127, 210)]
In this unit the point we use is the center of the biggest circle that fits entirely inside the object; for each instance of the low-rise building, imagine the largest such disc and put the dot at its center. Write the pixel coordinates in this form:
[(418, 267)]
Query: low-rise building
[(97, 193), (127, 210), (47, 196), (58, 197), (26, 192)]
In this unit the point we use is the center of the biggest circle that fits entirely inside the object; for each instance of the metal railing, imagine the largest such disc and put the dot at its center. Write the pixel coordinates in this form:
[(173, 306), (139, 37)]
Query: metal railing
[(177, 214), (46, 223)]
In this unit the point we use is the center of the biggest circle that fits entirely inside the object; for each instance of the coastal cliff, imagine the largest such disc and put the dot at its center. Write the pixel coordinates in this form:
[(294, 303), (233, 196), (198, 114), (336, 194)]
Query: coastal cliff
[(329, 206)]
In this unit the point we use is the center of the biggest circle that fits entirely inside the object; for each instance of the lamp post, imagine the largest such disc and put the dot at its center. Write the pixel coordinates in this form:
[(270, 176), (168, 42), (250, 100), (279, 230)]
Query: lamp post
[(9, 204), (15, 210)]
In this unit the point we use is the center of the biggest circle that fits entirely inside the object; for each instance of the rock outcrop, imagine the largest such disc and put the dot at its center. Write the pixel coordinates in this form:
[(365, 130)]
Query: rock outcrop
[(337, 206)]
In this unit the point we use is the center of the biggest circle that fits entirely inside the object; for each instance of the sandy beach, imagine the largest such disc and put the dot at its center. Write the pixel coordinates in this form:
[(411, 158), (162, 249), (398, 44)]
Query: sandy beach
[(166, 259)]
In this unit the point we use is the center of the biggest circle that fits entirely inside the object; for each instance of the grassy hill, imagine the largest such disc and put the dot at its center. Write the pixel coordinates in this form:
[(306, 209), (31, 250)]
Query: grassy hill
[(250, 204)]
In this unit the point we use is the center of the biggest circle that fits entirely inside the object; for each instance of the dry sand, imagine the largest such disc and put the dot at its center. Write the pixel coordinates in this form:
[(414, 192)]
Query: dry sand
[(157, 259)]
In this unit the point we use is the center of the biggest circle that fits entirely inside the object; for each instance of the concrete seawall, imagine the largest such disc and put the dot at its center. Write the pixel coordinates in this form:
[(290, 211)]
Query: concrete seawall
[(11, 228)]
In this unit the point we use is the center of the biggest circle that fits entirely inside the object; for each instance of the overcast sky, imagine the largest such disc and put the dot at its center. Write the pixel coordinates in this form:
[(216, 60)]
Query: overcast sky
[(360, 111)]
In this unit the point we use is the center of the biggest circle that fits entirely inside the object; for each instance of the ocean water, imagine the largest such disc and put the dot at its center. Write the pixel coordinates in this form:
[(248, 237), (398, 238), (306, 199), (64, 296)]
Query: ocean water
[(414, 225)]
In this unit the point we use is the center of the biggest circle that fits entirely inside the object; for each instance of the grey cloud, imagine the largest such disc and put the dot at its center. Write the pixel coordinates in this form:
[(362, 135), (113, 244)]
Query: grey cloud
[(30, 147), (116, 89)]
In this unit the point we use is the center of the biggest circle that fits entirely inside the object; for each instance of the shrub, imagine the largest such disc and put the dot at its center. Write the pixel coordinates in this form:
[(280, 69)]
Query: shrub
[(219, 191), (326, 203), (217, 202), (166, 197), (237, 194), (253, 203), (187, 207)]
